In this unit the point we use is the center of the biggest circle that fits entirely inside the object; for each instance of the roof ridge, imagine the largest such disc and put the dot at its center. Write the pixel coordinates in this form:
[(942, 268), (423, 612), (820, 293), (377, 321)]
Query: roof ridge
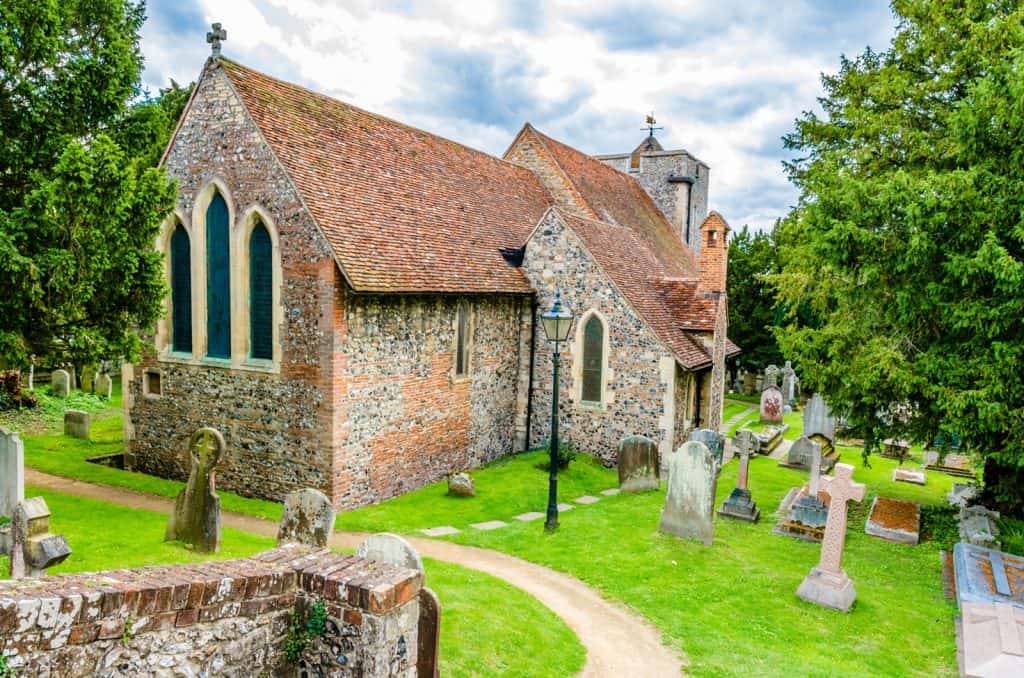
[(224, 61), (543, 139)]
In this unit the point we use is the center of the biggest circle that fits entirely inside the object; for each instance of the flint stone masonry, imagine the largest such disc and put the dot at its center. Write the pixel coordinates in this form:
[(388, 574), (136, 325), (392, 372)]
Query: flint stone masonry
[(12, 471), (76, 424), (78, 625)]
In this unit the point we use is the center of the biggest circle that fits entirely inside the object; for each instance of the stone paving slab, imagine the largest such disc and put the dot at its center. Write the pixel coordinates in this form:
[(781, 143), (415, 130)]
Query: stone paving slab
[(565, 507), (440, 531), (527, 517), (611, 491), (586, 499), (489, 525)]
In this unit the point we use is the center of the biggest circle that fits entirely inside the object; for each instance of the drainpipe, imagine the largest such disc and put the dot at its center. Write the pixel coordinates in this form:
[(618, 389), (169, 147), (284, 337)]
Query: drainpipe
[(700, 387), (529, 390)]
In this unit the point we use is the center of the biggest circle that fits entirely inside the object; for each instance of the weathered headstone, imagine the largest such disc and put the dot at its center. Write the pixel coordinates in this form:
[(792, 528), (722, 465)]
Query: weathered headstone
[(390, 548), (60, 383), (807, 513), (771, 406), (749, 383), (639, 468), (196, 518), (931, 458), (789, 383), (714, 441), (818, 418), (76, 424), (907, 475), (461, 485), (12, 471), (308, 518), (827, 584), (962, 494), (771, 377), (978, 526), (88, 378), (894, 520), (104, 386), (32, 548), (739, 504), (690, 496)]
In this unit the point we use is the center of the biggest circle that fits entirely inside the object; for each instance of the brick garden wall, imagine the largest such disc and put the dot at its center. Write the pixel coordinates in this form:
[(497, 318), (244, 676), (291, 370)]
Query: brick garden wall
[(408, 420), (278, 423), (228, 618)]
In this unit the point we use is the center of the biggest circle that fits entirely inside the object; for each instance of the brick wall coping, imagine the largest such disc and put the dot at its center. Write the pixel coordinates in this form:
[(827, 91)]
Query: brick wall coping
[(81, 608)]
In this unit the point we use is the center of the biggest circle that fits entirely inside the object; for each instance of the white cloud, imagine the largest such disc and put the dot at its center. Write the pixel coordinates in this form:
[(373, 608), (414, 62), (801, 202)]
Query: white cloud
[(726, 78)]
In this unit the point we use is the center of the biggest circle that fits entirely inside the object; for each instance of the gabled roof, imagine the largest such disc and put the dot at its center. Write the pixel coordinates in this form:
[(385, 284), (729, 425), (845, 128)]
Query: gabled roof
[(403, 210)]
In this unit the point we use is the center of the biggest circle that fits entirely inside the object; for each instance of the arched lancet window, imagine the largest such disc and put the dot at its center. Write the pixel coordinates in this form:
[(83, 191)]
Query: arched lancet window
[(218, 279), (261, 294), (593, 359), (181, 290)]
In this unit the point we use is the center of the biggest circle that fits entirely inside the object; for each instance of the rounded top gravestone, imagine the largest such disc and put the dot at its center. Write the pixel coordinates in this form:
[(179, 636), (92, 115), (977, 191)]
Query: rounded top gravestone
[(308, 518), (390, 548), (204, 449)]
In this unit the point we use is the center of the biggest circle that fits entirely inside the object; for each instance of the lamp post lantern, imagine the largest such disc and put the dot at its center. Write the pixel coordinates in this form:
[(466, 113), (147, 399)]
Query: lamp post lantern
[(556, 324)]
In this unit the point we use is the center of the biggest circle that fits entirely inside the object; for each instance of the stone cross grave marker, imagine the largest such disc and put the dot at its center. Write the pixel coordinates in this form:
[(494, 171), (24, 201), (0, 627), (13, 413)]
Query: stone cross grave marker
[(308, 518), (12, 471), (827, 584), (638, 464), (196, 518), (771, 377), (390, 548), (104, 386), (714, 440), (818, 418), (76, 424), (690, 496), (60, 383), (739, 504), (32, 548), (771, 406), (789, 383)]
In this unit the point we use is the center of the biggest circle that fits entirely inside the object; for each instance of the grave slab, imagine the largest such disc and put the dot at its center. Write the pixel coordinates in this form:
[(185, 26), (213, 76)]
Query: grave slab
[(906, 475), (985, 575), (992, 640), (894, 520), (532, 515), (489, 525), (441, 531), (586, 499)]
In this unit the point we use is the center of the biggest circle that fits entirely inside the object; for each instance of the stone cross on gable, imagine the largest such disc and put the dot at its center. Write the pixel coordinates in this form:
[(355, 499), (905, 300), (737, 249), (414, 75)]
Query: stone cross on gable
[(215, 37), (841, 489)]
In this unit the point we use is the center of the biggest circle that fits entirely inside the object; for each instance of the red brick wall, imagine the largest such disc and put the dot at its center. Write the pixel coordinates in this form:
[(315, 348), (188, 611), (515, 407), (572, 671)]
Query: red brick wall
[(714, 254)]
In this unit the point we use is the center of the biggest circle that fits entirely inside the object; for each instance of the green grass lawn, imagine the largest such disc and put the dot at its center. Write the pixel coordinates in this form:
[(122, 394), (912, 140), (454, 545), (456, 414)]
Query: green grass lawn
[(732, 409), (474, 638)]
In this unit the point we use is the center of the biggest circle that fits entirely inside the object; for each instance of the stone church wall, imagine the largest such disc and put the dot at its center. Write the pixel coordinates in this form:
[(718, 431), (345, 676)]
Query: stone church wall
[(635, 394), (227, 618), (408, 420), (276, 419)]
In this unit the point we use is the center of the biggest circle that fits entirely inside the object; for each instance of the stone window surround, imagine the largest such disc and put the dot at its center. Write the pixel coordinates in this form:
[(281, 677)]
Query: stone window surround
[(468, 374), (241, 229), (147, 386), (576, 351)]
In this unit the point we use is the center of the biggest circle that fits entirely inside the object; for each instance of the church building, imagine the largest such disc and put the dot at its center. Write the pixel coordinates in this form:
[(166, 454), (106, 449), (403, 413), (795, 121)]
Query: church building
[(354, 303)]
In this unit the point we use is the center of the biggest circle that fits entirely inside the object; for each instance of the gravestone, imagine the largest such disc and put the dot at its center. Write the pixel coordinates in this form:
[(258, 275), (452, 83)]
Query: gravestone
[(818, 418), (60, 383), (758, 384), (104, 386), (749, 383), (714, 441), (789, 384), (803, 450), (907, 475), (962, 494), (771, 437), (76, 424), (894, 520), (32, 374), (931, 458), (196, 517), (739, 505), (461, 485), (771, 406), (308, 518), (985, 575), (978, 526), (827, 584), (690, 495), (32, 549), (12, 471), (893, 448), (806, 514), (638, 464), (992, 640), (771, 377), (88, 378), (390, 548)]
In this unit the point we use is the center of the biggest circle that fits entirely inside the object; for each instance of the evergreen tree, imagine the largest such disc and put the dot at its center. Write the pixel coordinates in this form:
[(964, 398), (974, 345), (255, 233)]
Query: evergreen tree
[(752, 256)]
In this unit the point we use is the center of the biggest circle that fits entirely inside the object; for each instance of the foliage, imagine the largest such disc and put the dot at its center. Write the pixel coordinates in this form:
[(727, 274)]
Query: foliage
[(566, 454), (11, 394), (303, 631), (5, 670), (940, 523), (1011, 535), (753, 255), (80, 199), (908, 242)]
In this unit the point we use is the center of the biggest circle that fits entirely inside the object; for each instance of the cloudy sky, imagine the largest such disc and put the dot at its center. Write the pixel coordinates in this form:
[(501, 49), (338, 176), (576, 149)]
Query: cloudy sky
[(726, 78)]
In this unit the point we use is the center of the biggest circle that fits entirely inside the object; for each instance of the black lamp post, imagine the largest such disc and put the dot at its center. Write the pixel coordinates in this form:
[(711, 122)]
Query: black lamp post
[(556, 324)]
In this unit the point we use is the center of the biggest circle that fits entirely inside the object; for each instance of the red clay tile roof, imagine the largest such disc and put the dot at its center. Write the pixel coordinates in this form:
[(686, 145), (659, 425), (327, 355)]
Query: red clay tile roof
[(403, 210)]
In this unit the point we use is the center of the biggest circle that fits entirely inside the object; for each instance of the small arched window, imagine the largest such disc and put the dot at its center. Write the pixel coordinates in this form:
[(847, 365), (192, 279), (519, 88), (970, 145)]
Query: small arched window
[(261, 294), (181, 290), (218, 279), (593, 359)]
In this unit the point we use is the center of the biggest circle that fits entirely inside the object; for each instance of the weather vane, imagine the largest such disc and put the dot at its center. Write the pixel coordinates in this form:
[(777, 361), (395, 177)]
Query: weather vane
[(651, 122), (215, 37)]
